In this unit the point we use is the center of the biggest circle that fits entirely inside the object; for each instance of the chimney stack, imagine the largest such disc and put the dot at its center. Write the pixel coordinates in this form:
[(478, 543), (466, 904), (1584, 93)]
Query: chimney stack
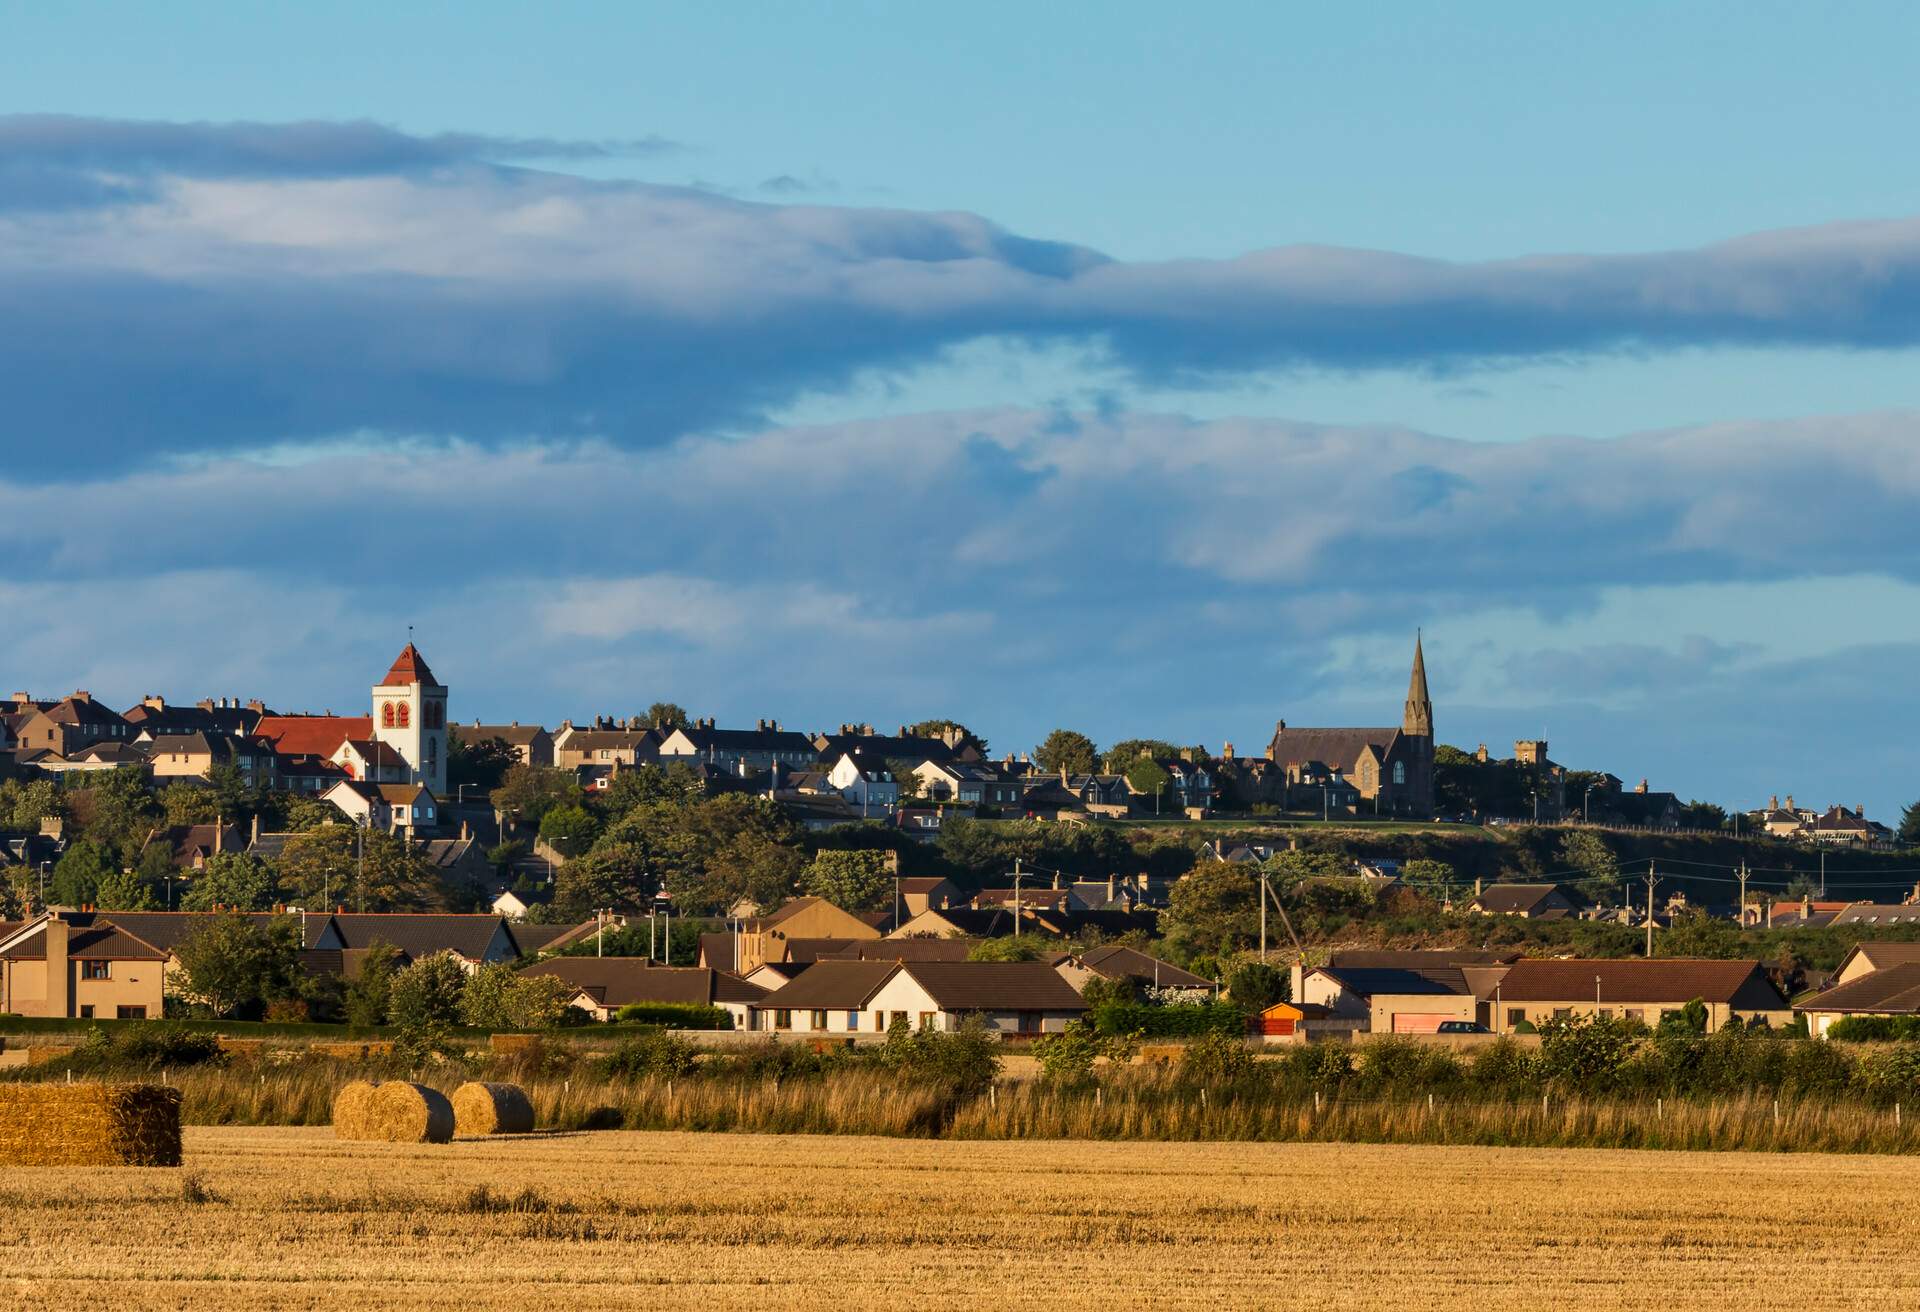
[(59, 972), (1641, 787)]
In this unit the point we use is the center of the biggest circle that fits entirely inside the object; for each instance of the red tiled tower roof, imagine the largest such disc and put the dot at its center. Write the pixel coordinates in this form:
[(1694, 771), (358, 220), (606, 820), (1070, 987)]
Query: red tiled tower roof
[(409, 667)]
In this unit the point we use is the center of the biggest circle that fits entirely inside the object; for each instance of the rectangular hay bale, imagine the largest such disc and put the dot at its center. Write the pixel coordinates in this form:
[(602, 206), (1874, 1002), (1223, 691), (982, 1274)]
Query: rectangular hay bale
[(89, 1125)]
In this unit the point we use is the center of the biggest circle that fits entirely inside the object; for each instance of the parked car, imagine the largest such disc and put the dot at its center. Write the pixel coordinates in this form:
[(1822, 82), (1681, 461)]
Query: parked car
[(1462, 1027)]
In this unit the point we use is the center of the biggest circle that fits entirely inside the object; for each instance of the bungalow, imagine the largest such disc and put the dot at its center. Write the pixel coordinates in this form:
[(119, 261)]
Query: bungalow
[(51, 967), (869, 997), (1116, 962), (1865, 958), (600, 986), (1889, 991), (1527, 901), (1535, 989), (1404, 992), (471, 939)]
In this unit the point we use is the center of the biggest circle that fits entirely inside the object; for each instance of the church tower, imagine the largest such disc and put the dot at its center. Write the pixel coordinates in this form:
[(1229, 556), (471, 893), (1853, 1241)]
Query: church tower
[(1416, 729), (410, 716), (1418, 720)]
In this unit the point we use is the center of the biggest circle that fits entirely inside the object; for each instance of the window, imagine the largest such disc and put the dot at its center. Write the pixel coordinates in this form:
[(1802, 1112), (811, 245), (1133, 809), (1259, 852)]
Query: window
[(404, 714), (86, 1011), (1562, 1013), (1400, 772), (96, 970), (853, 1020), (130, 1013), (1028, 1022), (386, 715), (819, 1020), (1516, 1016), (898, 1018), (783, 1020), (926, 1020)]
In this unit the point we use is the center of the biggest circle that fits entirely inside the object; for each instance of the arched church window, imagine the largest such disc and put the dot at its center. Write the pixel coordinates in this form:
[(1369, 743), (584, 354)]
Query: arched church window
[(1400, 772), (406, 714), (386, 715)]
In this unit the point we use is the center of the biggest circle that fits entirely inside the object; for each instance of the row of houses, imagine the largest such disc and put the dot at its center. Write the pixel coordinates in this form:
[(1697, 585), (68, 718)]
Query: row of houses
[(116, 965)]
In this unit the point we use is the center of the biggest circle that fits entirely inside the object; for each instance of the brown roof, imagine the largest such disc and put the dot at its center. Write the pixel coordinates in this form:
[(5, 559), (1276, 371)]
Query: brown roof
[(1387, 959), (1879, 956), (1741, 984), (904, 949), (1893, 990), (618, 981), (992, 985), (1116, 962), (812, 949), (833, 985), (311, 735), (1517, 899), (100, 941), (717, 950), (409, 667), (921, 883), (518, 734), (165, 929), (421, 934), (532, 937)]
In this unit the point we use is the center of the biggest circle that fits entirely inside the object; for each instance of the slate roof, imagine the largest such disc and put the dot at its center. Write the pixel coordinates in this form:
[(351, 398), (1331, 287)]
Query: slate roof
[(717, 950), (1114, 961), (1892, 990), (1521, 899), (165, 929), (1879, 913), (1341, 747), (519, 735), (992, 985), (1678, 980), (421, 934), (904, 949), (833, 985), (619, 981), (102, 940)]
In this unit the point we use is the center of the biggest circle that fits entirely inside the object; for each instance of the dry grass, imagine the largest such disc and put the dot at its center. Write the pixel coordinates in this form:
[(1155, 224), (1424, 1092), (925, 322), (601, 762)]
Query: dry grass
[(292, 1218)]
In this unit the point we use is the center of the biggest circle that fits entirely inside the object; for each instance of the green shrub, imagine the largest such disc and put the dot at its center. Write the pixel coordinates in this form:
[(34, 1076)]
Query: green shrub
[(1321, 1067), (148, 1046), (1396, 1065), (1179, 1021), (659, 1055), (1875, 1029), (1891, 1074), (963, 1061), (676, 1015), (1586, 1054), (1214, 1060), (1504, 1067)]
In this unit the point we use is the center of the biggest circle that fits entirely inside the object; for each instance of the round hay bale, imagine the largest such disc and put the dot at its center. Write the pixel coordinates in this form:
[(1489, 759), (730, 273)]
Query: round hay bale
[(392, 1111), (487, 1108)]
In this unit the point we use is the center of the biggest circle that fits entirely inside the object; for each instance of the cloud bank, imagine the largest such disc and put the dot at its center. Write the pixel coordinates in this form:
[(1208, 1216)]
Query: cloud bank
[(171, 288)]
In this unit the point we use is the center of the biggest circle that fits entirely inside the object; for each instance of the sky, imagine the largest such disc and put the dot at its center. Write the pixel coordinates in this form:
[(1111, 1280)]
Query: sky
[(1144, 372)]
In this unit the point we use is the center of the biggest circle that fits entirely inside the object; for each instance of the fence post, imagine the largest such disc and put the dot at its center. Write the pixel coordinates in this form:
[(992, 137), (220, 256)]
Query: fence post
[(1316, 1102), (1896, 1116), (1776, 1111), (1660, 1109), (1096, 1095), (1203, 1097), (1543, 1106), (993, 1095)]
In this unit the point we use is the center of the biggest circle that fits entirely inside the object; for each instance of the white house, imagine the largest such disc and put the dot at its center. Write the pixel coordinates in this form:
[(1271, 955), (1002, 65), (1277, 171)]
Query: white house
[(868, 997), (866, 783)]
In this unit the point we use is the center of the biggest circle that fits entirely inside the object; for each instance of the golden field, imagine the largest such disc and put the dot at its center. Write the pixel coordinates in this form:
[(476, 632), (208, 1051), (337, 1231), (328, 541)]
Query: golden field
[(270, 1218)]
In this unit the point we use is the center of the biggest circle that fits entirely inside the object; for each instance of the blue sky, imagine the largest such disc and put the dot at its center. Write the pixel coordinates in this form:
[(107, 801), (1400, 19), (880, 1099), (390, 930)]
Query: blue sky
[(1101, 365)]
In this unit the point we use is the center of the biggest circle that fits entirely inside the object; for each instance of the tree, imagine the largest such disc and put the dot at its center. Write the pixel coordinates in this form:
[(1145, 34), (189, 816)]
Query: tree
[(24, 803), (667, 716), (231, 880), (1147, 778), (298, 813), (186, 803), (478, 763), (1254, 985), (427, 992), (1428, 877), (677, 783), (1122, 755), (341, 864), (1588, 853), (77, 875), (235, 798), (232, 965), (1006, 948), (528, 792), (569, 829), (852, 881), (123, 890), (1066, 749), (114, 809), (1694, 933), (910, 784), (1702, 815), (369, 992), (1215, 909), (1909, 831), (944, 728), (714, 852), (497, 998), (614, 875)]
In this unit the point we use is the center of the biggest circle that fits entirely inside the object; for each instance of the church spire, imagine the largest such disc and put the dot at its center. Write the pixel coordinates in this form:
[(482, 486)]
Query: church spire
[(1419, 714)]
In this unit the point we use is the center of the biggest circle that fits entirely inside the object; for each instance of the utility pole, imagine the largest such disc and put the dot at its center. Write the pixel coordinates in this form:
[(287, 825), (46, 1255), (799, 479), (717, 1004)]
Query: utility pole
[(1743, 893), (1823, 874), (1651, 880), (1016, 898), (1263, 918)]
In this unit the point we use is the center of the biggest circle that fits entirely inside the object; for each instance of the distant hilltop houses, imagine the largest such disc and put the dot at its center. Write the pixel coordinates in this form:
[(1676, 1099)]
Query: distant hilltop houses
[(388, 768)]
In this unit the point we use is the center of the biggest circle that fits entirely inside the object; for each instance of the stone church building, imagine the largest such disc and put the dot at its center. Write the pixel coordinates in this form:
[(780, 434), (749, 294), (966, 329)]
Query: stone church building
[(1385, 771)]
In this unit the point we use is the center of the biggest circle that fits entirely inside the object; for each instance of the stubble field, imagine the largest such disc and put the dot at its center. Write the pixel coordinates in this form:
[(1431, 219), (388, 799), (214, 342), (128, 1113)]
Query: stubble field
[(269, 1218)]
